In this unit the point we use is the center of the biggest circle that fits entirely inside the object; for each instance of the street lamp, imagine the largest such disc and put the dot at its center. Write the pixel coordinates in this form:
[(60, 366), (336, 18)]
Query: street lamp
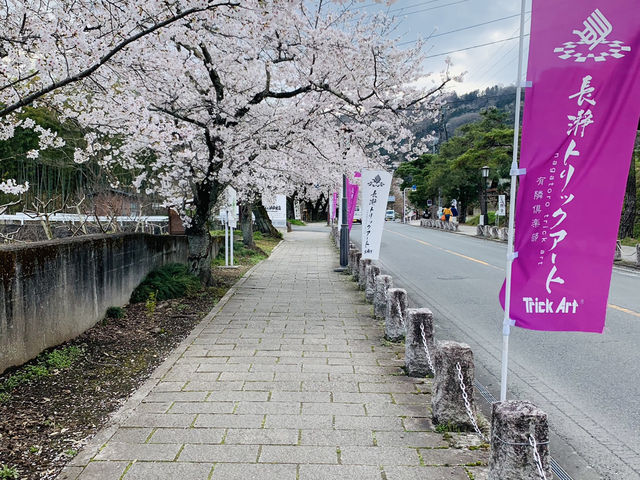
[(484, 217)]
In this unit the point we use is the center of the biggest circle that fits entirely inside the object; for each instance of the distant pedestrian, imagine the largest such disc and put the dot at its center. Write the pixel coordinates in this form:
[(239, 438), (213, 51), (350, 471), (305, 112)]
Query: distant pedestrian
[(454, 213), (447, 214)]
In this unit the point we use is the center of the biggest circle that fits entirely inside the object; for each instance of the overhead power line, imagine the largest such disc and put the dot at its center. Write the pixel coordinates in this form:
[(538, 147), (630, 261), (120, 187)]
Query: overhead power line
[(474, 46), (463, 28), (434, 8)]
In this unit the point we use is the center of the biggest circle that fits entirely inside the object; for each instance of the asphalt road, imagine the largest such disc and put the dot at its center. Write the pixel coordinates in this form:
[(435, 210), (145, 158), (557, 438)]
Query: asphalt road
[(587, 383)]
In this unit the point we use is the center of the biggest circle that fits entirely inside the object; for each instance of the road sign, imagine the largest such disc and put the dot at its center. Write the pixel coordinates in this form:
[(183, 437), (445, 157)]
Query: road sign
[(414, 188)]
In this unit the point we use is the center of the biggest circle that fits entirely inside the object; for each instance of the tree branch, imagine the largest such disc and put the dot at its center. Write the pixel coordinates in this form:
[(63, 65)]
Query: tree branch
[(122, 45)]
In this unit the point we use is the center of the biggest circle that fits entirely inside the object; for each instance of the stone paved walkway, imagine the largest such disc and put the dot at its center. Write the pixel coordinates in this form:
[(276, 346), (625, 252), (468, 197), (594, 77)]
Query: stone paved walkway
[(288, 378)]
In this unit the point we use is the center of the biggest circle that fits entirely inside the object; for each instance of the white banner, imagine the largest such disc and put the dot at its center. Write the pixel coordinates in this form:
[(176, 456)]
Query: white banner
[(231, 206), (502, 205), (296, 210), (277, 211), (375, 192)]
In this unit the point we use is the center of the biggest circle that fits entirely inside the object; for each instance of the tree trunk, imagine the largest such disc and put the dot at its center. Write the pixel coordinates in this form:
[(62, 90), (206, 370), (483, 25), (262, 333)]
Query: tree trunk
[(200, 246), (628, 217), (263, 222), (246, 224), (317, 208), (198, 236)]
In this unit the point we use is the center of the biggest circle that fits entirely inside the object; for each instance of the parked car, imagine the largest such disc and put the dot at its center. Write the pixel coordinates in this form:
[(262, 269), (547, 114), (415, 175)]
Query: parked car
[(390, 215), (357, 216)]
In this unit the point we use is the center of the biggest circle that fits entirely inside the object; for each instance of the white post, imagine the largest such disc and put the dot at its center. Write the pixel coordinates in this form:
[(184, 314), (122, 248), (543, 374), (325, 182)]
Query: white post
[(404, 205), (231, 243), (506, 326), (226, 239)]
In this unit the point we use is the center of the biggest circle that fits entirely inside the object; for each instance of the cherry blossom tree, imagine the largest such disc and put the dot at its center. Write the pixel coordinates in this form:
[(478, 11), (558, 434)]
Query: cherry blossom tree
[(47, 47), (267, 97)]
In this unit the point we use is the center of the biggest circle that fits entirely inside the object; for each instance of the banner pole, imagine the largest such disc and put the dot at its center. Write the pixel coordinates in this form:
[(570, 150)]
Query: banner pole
[(506, 326)]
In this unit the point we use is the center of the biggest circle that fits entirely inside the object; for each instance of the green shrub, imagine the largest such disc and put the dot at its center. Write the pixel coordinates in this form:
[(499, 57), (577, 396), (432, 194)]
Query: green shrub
[(58, 359), (492, 220), (8, 473), (293, 221), (169, 281), (115, 312), (257, 236), (62, 358)]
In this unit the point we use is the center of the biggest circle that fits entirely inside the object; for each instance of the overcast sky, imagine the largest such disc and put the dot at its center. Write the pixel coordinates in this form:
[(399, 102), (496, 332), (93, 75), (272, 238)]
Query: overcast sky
[(434, 19)]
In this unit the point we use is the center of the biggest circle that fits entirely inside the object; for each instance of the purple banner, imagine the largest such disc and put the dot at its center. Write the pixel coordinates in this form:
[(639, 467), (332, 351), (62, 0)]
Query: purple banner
[(579, 126), (352, 200)]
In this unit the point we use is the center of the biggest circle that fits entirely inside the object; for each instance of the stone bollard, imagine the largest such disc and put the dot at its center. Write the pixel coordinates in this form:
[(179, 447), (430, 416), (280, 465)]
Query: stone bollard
[(447, 403), (355, 270), (512, 456), (352, 253), (383, 284), (370, 282), (638, 254), (395, 314), (480, 231), (362, 273), (494, 232), (504, 234), (416, 363), (618, 254)]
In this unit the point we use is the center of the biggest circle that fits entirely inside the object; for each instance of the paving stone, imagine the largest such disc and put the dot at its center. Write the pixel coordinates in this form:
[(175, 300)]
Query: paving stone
[(103, 470), (422, 473), (368, 423), (213, 386), (412, 398), (70, 473), (417, 424), (175, 396), (337, 437), (387, 387), (229, 421), (238, 396), (298, 454), (411, 439), (202, 407), (219, 453), (454, 456), (247, 471), (362, 398), (298, 421), (131, 435), (188, 435), (301, 396), (379, 456), (169, 386), (265, 436), (135, 451), (339, 472), (284, 408), (159, 420), (330, 387), (164, 470), (154, 407), (395, 410), (333, 408), (292, 386)]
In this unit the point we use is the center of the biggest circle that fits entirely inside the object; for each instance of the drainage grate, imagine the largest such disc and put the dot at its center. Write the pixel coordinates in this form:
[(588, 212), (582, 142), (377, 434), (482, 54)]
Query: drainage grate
[(555, 467)]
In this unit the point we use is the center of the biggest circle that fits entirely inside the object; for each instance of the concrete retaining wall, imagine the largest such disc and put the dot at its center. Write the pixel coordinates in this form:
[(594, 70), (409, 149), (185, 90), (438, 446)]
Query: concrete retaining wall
[(53, 291)]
